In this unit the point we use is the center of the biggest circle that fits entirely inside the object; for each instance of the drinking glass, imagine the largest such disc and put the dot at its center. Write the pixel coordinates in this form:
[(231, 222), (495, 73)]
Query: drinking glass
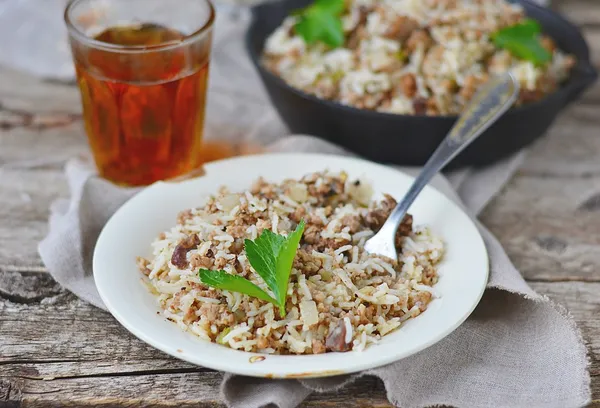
[(142, 70)]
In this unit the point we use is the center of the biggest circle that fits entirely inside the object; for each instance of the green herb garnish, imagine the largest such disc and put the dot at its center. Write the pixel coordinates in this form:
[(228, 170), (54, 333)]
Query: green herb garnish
[(224, 333), (272, 256), (523, 41), (321, 21)]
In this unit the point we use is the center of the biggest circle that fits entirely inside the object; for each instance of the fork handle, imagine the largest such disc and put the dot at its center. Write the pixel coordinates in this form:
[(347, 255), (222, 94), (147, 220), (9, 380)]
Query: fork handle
[(488, 104)]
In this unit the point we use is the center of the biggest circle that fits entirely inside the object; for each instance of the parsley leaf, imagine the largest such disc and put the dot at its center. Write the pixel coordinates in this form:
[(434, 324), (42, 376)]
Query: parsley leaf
[(272, 256), (522, 40), (321, 21), (226, 281)]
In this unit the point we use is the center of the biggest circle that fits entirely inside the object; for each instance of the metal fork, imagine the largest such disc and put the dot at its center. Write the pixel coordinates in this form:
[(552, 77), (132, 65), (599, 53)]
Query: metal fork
[(495, 98)]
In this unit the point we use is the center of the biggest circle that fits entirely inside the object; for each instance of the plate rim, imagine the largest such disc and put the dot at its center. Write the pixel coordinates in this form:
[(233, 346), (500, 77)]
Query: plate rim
[(254, 370)]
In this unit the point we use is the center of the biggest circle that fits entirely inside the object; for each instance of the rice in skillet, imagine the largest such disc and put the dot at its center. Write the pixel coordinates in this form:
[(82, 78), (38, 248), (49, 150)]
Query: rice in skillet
[(413, 56), (339, 298)]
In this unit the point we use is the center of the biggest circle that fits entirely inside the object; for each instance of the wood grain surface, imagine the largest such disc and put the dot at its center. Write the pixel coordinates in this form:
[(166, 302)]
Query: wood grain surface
[(56, 350)]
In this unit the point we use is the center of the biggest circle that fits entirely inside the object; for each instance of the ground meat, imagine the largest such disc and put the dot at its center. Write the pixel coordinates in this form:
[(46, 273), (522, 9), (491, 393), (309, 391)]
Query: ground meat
[(315, 220), (449, 85), (298, 214), (528, 96), (258, 185), (404, 230), (433, 107), (318, 296), (237, 246), (472, 83), (401, 28), (263, 225), (334, 243), (190, 315), (262, 342), (421, 300), (220, 262), (377, 216), (142, 264), (429, 275), (306, 263), (365, 314), (179, 257), (318, 347), (357, 34), (418, 38), (183, 216), (199, 261), (326, 89), (236, 231), (336, 339), (406, 226), (408, 84), (326, 190), (210, 311), (312, 234), (420, 106), (353, 222)]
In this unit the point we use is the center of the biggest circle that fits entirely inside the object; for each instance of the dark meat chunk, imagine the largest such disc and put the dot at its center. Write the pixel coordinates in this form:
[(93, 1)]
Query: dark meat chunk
[(179, 257), (336, 339), (420, 106), (376, 217), (401, 28), (404, 229)]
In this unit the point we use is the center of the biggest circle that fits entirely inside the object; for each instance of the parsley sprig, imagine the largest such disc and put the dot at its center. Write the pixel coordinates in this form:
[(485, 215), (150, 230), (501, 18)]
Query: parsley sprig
[(523, 41), (272, 256), (321, 21)]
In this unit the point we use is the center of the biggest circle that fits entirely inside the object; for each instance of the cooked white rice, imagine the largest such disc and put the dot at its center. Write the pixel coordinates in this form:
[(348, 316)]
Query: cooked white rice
[(336, 288)]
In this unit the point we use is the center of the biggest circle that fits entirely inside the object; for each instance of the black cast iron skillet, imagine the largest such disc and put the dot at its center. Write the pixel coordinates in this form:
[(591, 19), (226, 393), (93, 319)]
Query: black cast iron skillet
[(411, 139)]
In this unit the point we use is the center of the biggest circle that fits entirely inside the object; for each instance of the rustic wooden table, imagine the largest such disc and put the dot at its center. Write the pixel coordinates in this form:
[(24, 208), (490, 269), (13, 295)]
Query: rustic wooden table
[(56, 350)]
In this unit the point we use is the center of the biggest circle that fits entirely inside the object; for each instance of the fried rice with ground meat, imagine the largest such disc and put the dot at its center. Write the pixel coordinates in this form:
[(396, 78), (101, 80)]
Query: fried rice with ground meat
[(412, 56), (340, 298)]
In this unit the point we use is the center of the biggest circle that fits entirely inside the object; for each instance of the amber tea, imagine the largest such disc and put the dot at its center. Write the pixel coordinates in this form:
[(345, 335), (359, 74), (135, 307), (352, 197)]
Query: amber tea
[(143, 89)]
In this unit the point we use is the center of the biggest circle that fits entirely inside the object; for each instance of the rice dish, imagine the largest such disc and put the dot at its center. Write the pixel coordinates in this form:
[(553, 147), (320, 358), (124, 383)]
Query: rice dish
[(339, 297), (425, 57)]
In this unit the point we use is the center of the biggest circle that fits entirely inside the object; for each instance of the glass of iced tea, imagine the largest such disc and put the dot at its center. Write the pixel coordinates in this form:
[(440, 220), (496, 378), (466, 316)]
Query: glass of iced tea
[(142, 69)]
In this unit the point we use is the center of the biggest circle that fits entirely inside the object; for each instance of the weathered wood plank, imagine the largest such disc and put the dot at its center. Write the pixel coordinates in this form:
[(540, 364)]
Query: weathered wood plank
[(26, 196), (571, 146), (581, 12), (168, 390), (82, 355)]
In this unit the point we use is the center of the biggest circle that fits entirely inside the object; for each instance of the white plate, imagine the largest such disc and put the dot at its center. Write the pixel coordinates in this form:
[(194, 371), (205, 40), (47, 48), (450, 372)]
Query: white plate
[(463, 272)]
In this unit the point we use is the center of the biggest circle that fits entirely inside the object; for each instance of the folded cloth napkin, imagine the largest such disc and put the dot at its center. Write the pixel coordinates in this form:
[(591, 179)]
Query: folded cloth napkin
[(516, 350)]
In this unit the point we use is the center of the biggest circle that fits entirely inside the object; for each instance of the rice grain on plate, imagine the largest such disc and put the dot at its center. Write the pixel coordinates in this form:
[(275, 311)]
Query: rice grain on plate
[(412, 56), (340, 298)]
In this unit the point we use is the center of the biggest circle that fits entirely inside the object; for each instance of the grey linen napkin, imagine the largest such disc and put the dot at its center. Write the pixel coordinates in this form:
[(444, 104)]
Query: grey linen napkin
[(516, 350)]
